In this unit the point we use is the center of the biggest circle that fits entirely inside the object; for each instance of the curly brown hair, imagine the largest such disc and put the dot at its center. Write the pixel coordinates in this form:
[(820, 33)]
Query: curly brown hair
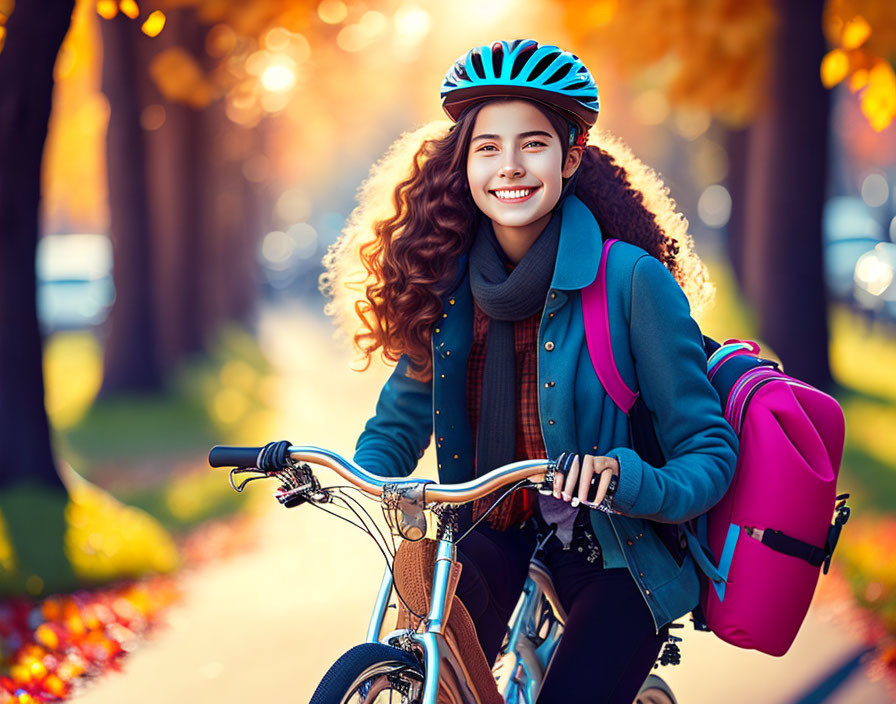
[(411, 259)]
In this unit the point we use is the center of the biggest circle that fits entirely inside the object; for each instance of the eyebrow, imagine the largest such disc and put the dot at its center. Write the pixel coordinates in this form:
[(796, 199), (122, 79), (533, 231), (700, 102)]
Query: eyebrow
[(523, 135)]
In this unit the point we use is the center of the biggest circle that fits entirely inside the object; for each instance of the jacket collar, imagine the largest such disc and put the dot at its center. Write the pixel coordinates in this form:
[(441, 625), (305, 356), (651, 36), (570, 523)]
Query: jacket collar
[(578, 255)]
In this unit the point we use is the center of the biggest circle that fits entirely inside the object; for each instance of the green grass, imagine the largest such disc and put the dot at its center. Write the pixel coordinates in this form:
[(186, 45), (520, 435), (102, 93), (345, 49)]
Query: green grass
[(150, 451)]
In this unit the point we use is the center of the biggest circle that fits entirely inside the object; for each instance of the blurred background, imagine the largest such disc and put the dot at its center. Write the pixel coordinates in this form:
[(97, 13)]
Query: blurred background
[(172, 173)]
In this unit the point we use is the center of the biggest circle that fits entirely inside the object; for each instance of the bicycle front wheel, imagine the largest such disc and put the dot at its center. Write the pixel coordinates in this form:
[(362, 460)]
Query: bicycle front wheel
[(371, 673)]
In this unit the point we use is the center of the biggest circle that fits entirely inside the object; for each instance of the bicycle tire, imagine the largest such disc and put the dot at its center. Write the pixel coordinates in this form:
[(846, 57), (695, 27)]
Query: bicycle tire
[(362, 664)]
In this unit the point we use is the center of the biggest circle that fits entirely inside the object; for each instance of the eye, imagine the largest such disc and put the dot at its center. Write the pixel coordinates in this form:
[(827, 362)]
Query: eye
[(487, 147), (534, 143)]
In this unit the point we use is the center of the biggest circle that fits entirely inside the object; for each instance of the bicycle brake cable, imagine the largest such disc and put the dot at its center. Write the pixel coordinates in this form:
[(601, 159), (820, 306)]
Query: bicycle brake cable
[(491, 508)]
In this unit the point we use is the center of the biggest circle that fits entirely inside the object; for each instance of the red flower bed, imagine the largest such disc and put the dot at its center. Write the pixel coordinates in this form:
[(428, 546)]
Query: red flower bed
[(49, 648)]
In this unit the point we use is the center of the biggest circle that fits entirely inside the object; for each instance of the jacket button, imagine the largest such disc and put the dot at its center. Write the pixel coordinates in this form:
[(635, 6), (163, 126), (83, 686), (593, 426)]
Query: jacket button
[(553, 295), (437, 412), (629, 542), (550, 315), (451, 301), (594, 448), (548, 384), (647, 592), (641, 573), (551, 421), (443, 376), (455, 457), (444, 315), (437, 329), (549, 345)]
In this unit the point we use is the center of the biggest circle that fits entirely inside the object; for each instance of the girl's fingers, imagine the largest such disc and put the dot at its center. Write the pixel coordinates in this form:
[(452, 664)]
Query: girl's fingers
[(571, 478), (563, 463), (602, 485), (589, 466)]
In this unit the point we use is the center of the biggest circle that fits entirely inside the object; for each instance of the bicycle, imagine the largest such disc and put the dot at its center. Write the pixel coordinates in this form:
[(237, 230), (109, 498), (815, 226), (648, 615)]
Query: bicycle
[(412, 664)]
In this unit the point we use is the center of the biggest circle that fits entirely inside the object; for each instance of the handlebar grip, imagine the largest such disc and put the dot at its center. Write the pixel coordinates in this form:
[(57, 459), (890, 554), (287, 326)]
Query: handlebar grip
[(226, 456)]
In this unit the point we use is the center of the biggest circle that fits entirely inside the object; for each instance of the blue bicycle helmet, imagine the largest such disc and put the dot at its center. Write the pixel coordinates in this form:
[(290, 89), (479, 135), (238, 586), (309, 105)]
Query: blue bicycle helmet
[(523, 68)]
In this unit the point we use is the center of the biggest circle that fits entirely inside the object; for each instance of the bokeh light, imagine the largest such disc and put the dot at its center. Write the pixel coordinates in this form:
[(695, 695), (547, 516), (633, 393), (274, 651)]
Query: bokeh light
[(293, 205), (352, 38), (152, 117), (373, 23), (278, 77), (277, 39), (875, 190), (714, 206), (651, 107), (691, 123), (332, 11), (874, 270)]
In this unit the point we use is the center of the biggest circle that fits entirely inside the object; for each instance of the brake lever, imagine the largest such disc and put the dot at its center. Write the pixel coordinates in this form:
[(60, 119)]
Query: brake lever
[(245, 470)]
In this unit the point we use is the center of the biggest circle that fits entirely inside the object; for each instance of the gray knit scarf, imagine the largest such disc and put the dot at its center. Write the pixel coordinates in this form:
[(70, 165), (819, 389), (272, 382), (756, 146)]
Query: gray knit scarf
[(505, 297)]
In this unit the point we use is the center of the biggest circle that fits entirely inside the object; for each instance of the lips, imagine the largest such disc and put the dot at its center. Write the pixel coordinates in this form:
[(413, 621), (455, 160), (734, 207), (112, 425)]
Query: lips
[(514, 195)]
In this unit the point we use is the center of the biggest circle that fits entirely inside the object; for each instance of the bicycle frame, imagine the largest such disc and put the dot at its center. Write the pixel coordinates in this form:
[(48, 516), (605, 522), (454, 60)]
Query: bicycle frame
[(528, 662)]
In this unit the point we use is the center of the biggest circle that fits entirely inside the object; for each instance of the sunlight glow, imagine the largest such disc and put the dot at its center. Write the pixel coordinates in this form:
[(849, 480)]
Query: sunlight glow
[(278, 78), (413, 22)]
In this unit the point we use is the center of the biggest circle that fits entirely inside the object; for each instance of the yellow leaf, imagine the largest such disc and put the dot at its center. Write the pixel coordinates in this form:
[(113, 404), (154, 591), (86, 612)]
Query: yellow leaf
[(858, 80), (130, 8), (855, 32), (879, 97), (834, 67), (154, 24), (107, 9)]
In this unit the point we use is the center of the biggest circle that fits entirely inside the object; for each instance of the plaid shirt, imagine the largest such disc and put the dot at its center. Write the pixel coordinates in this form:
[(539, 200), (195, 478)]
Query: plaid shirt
[(529, 443)]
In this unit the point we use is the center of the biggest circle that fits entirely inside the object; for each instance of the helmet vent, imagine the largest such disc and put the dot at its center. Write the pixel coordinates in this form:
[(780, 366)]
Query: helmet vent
[(576, 86), (477, 65), (542, 65), (497, 58), (520, 61), (559, 73)]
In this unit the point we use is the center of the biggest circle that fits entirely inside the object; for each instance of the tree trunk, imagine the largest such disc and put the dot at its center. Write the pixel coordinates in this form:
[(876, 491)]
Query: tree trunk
[(177, 191), (783, 258), (34, 34), (131, 350)]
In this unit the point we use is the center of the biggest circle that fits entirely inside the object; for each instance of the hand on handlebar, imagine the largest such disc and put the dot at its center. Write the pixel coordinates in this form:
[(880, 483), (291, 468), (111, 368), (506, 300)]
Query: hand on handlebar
[(587, 481)]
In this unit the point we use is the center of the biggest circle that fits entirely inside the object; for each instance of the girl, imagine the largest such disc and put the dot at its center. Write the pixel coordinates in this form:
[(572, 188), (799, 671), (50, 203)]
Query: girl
[(474, 271)]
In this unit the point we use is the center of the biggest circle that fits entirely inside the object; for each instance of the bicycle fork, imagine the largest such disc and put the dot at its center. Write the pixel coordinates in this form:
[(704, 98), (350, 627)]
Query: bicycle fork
[(436, 651)]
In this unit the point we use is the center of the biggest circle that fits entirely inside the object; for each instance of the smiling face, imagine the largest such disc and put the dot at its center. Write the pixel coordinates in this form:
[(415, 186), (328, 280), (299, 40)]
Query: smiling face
[(515, 169)]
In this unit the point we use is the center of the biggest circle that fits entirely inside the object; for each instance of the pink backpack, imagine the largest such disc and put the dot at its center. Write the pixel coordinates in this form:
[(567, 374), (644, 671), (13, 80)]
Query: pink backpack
[(762, 546)]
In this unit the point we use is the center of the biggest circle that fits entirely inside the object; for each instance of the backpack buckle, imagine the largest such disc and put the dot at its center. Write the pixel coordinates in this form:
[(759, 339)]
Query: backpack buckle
[(843, 513)]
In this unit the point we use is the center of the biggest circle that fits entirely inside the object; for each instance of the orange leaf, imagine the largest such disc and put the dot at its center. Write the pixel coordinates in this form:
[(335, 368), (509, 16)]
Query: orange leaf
[(107, 9), (855, 32), (154, 24), (834, 67)]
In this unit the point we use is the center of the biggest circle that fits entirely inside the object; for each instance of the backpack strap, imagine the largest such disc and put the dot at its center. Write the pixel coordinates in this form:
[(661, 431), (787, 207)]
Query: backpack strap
[(597, 335)]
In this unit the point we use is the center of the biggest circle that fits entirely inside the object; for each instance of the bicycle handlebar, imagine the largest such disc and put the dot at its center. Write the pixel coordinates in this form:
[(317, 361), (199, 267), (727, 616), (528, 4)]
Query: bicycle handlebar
[(534, 470)]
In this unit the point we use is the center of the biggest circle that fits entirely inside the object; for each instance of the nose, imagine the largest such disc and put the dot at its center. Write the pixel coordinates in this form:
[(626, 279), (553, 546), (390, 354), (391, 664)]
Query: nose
[(511, 168)]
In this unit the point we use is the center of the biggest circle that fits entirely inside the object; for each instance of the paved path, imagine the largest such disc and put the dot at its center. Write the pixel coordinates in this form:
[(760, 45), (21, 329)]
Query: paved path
[(263, 626)]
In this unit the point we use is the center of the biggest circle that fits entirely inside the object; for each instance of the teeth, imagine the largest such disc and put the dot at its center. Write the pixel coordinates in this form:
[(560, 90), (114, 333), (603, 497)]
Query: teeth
[(519, 193)]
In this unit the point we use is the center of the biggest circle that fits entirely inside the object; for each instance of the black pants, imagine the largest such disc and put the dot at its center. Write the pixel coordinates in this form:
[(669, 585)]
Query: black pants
[(609, 643)]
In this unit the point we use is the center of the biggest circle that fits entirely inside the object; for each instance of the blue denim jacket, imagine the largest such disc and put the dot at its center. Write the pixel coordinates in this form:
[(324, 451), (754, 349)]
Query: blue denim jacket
[(658, 350)]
